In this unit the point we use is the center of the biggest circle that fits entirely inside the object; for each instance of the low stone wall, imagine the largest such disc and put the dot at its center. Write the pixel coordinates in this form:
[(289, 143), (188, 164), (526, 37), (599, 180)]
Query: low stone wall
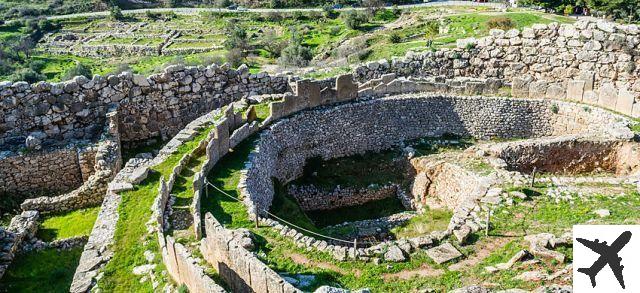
[(240, 268), (107, 163), (51, 171), (569, 155), (97, 252), (311, 198), (21, 228), (378, 124), (595, 62)]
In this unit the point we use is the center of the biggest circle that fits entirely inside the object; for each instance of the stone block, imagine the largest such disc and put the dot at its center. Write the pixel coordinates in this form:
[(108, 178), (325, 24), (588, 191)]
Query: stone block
[(520, 87), (222, 134), (473, 88), (575, 90), (625, 102), (443, 253), (538, 89), (555, 91), (328, 96), (607, 96), (590, 97), (310, 90), (588, 77), (345, 87)]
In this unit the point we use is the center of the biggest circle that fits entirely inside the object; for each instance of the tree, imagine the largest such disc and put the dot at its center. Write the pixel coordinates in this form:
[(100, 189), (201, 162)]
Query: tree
[(236, 36), (354, 19), (116, 13), (235, 57), (222, 3), (271, 43), (295, 54), (25, 45)]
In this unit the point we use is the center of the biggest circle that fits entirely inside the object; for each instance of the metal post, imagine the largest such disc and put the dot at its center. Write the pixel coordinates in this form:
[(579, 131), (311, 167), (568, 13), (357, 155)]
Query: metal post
[(533, 176), (206, 188), (255, 210), (486, 230)]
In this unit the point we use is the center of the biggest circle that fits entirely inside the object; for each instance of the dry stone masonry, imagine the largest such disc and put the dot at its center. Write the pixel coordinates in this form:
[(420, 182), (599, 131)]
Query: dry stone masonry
[(595, 62)]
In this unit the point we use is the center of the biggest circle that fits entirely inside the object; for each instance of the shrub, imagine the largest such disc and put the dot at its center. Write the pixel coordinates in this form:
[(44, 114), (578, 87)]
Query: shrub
[(335, 30), (222, 3), (501, 22), (555, 109), (354, 19), (295, 54), (568, 10), (329, 12), (116, 13), (28, 75), (470, 46), (235, 57), (394, 38), (77, 70)]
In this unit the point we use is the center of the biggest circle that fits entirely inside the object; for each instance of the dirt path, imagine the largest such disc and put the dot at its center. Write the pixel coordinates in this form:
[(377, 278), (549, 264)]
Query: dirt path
[(484, 249), (303, 260), (424, 271)]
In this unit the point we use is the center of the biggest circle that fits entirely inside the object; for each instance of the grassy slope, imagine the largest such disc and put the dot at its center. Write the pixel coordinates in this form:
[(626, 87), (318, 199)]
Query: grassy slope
[(76, 223), (49, 270), (276, 251), (131, 234)]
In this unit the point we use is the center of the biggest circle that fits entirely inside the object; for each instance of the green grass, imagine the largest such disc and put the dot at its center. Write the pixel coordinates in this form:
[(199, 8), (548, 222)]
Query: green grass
[(71, 224), (48, 270), (541, 214), (130, 236), (422, 224), (225, 176)]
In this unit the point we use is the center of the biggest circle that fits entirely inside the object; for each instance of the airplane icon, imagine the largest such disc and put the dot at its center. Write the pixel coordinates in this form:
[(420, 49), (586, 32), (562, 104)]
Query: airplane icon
[(608, 255)]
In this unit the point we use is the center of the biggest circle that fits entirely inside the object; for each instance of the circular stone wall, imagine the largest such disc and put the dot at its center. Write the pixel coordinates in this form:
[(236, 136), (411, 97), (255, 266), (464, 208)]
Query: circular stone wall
[(378, 124)]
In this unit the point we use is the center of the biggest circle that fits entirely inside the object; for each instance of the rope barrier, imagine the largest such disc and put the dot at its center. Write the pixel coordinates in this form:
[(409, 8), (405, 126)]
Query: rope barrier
[(287, 222)]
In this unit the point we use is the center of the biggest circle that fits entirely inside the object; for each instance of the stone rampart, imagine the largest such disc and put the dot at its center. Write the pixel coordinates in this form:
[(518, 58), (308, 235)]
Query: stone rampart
[(378, 124), (595, 62), (155, 106), (107, 162), (568, 155), (311, 198), (240, 268)]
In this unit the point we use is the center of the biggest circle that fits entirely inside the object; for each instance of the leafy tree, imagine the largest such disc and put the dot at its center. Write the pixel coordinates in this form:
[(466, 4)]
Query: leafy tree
[(116, 13), (236, 36), (295, 54), (354, 19)]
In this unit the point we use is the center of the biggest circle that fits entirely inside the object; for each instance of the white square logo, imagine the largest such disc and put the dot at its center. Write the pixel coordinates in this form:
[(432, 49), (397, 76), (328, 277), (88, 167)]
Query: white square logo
[(606, 258)]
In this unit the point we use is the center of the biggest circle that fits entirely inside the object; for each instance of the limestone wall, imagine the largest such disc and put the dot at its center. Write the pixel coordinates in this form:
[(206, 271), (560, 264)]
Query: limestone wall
[(595, 62), (157, 106), (240, 268), (41, 172), (311, 198), (378, 124), (569, 155), (107, 160)]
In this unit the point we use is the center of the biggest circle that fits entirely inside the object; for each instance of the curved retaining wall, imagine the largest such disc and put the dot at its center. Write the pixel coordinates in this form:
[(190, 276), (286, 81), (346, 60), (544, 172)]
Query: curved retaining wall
[(595, 62), (378, 124)]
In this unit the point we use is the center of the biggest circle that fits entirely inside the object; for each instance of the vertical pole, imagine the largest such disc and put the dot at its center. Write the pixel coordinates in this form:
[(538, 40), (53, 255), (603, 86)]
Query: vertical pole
[(206, 188), (355, 248), (255, 210), (486, 229), (533, 176)]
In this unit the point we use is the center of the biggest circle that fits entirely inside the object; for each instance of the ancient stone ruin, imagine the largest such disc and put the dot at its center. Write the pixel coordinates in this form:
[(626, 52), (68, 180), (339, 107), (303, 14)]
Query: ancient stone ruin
[(557, 97)]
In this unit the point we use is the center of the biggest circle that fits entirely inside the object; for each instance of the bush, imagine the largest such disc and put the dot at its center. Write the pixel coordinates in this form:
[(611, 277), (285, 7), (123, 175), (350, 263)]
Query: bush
[(329, 12), (295, 54), (116, 13), (235, 57), (222, 3), (394, 38), (78, 70), (568, 10), (28, 75), (354, 19), (503, 23)]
